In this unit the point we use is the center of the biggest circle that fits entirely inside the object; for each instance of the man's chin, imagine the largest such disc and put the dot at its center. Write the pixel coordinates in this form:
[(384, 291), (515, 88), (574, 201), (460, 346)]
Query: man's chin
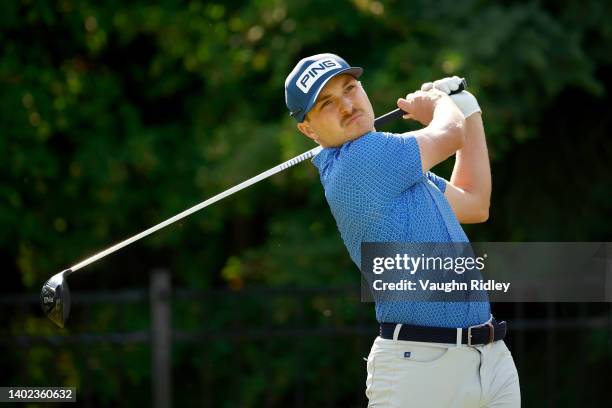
[(360, 131)]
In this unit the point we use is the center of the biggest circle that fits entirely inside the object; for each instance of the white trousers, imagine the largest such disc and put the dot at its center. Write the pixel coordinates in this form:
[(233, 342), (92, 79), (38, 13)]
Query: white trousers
[(432, 375)]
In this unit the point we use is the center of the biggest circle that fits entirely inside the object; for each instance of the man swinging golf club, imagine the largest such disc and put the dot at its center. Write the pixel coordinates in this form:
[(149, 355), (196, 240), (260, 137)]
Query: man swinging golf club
[(380, 189)]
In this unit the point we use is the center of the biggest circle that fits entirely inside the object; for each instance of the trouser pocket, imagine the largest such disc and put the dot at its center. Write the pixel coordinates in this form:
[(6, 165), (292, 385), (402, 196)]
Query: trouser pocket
[(369, 374), (380, 379)]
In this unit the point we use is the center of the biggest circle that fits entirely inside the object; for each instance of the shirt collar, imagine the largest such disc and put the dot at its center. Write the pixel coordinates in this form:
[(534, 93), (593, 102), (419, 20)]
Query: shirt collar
[(321, 159)]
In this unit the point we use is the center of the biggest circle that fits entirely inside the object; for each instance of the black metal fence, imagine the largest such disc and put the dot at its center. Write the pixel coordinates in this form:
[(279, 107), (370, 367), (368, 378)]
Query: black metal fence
[(562, 351)]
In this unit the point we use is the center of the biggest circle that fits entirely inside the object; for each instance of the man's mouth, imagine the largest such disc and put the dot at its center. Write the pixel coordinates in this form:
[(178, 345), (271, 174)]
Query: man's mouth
[(351, 119)]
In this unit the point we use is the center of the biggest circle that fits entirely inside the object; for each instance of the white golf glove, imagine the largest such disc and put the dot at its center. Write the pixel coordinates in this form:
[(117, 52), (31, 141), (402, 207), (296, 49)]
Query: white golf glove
[(465, 101)]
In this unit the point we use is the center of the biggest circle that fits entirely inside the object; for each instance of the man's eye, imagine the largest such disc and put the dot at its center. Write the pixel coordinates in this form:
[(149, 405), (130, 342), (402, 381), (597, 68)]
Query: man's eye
[(325, 104), (350, 88)]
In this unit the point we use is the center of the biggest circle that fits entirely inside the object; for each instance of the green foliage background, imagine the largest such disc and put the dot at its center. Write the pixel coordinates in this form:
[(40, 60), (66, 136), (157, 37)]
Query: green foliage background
[(117, 115)]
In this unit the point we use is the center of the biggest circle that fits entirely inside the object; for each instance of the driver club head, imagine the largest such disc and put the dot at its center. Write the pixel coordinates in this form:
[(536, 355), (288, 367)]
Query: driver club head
[(55, 298)]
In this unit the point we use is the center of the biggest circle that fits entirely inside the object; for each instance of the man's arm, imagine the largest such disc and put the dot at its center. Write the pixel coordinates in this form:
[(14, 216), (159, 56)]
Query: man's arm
[(444, 133), (469, 189)]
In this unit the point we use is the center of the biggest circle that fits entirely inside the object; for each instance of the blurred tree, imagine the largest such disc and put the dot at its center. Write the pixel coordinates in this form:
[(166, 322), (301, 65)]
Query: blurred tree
[(118, 115)]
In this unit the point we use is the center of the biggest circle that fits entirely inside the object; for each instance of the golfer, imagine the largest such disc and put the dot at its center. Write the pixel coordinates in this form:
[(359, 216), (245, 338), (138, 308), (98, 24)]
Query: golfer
[(380, 189)]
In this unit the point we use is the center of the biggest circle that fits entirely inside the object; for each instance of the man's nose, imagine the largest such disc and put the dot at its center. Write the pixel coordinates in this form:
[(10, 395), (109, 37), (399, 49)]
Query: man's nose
[(346, 105)]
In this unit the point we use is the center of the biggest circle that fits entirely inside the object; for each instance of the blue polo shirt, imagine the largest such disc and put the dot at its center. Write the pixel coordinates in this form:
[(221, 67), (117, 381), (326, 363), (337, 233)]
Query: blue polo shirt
[(377, 192)]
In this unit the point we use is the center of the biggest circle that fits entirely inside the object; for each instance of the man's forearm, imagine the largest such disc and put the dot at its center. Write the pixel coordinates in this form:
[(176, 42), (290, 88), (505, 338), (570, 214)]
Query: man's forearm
[(448, 119), (472, 171), (444, 132)]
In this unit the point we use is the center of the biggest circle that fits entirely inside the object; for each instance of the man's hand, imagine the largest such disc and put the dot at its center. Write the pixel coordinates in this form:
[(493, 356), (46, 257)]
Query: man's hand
[(446, 85), (465, 101), (421, 105)]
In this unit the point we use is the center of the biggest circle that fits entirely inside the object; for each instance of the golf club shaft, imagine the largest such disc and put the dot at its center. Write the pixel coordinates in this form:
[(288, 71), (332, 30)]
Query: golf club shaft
[(396, 114), (198, 207)]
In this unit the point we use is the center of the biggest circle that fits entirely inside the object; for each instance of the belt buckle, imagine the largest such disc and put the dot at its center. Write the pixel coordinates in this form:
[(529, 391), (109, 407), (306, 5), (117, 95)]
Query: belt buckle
[(491, 333)]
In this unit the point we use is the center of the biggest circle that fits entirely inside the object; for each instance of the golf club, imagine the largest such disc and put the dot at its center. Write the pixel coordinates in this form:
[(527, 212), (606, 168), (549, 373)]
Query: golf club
[(55, 294)]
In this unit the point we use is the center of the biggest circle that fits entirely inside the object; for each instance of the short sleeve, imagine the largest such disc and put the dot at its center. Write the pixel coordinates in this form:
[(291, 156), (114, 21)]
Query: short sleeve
[(384, 163), (437, 180)]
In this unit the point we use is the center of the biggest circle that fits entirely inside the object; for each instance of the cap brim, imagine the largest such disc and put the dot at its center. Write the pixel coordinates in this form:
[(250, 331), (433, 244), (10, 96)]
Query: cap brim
[(354, 71)]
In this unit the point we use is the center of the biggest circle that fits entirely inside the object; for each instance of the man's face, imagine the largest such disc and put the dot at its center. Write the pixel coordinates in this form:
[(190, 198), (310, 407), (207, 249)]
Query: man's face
[(341, 113)]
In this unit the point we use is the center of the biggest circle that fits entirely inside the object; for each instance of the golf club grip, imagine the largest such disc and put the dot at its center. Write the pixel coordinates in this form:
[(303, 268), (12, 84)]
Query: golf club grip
[(398, 113)]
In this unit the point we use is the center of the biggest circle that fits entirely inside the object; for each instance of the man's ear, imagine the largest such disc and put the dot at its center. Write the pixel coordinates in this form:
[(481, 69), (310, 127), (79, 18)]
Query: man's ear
[(305, 128)]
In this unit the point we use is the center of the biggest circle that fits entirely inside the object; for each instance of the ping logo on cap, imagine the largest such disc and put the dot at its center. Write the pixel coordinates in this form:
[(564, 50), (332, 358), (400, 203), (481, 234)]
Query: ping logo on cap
[(313, 71)]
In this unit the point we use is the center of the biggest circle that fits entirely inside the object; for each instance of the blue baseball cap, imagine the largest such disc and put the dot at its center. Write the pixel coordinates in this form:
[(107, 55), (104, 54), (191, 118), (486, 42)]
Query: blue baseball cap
[(309, 76)]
